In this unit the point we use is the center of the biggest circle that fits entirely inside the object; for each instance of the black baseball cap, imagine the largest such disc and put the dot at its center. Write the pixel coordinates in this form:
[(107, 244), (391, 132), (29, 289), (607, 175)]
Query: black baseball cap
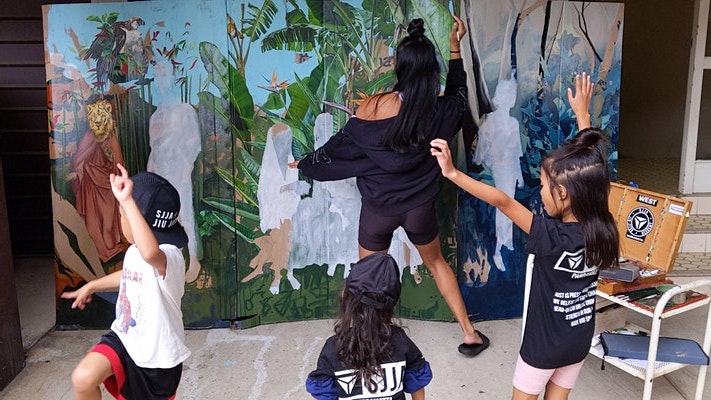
[(159, 202), (377, 273)]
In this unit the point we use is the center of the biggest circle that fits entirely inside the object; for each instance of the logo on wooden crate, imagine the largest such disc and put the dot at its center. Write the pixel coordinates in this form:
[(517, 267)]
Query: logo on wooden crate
[(647, 200), (640, 222)]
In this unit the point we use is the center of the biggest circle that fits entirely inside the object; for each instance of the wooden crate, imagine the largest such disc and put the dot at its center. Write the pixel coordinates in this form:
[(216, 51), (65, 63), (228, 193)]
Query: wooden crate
[(651, 226)]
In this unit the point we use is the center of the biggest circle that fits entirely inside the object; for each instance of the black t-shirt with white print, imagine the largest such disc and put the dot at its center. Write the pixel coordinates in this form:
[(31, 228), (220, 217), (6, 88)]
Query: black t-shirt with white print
[(405, 371), (561, 313)]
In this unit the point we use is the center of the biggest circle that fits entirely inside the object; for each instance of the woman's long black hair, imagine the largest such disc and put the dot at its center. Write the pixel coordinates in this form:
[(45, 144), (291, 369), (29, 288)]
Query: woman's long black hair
[(418, 82), (363, 337), (580, 166)]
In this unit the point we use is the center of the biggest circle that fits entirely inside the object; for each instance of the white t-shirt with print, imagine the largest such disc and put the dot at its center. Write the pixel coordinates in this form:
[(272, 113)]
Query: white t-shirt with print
[(149, 320)]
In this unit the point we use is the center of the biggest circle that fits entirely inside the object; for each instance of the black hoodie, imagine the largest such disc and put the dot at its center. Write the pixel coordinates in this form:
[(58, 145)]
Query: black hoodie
[(390, 183)]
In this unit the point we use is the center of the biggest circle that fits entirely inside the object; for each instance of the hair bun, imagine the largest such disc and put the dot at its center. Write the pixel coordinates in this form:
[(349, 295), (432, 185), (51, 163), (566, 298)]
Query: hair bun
[(416, 27)]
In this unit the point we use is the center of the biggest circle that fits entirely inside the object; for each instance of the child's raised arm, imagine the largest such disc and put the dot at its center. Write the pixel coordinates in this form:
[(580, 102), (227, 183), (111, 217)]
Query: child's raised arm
[(520, 215), (580, 100), (143, 237)]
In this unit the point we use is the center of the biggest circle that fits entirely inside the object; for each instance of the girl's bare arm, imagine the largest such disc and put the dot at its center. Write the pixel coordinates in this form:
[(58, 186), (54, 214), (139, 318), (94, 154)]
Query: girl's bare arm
[(520, 215)]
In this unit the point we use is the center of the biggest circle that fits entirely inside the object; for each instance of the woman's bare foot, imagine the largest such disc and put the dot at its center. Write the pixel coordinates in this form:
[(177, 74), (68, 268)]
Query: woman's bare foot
[(479, 342), (473, 338)]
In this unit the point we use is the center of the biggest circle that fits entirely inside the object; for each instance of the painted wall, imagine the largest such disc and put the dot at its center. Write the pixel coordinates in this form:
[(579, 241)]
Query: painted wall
[(530, 51), (220, 100)]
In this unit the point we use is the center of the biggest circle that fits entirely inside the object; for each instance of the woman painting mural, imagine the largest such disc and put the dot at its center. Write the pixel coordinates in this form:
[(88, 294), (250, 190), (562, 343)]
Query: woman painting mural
[(386, 147)]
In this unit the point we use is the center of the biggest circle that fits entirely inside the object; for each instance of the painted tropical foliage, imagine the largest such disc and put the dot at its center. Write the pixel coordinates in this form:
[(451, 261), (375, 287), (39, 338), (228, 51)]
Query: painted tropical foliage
[(530, 51), (219, 96)]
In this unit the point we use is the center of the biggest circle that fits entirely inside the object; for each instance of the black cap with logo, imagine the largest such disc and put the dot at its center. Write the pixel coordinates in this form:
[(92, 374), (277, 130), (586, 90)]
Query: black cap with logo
[(159, 202)]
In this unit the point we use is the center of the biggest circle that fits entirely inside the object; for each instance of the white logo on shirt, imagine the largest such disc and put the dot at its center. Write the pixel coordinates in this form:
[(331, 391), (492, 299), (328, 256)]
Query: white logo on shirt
[(388, 385), (573, 263)]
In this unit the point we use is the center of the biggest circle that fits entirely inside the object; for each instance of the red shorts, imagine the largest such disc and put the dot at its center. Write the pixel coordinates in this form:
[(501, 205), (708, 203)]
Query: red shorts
[(131, 382)]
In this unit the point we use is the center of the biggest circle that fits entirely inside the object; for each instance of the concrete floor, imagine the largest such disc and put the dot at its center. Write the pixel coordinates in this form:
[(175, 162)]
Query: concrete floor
[(271, 361)]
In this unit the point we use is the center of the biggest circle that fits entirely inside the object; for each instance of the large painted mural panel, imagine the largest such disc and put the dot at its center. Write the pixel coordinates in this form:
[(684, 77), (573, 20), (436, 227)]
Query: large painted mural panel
[(124, 86), (220, 96), (529, 52)]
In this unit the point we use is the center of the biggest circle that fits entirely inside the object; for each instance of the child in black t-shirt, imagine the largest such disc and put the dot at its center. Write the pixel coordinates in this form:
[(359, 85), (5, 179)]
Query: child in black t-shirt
[(369, 357), (566, 250)]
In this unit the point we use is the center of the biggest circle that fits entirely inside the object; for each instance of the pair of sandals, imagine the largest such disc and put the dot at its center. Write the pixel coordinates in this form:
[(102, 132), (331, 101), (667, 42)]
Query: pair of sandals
[(471, 350)]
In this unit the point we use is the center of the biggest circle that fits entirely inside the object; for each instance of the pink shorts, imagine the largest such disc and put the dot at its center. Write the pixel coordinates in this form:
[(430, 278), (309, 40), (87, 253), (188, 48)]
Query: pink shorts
[(532, 380)]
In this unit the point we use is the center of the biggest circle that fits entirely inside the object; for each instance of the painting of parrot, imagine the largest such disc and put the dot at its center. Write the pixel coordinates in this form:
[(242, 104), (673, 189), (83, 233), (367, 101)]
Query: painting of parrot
[(120, 53)]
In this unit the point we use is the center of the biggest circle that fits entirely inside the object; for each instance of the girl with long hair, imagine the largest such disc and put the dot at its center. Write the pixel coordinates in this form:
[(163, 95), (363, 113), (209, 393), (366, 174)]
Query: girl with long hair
[(369, 357), (567, 247)]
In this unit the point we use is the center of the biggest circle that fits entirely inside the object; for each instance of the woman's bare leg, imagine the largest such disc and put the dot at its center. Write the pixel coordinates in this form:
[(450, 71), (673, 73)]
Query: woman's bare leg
[(446, 281)]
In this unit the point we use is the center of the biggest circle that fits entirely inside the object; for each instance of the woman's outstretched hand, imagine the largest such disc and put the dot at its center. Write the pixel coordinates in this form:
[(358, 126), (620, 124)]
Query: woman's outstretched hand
[(456, 34), (439, 148)]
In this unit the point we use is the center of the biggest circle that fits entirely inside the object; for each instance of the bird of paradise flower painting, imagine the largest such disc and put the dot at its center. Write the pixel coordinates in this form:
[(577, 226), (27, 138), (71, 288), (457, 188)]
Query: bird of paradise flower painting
[(220, 97)]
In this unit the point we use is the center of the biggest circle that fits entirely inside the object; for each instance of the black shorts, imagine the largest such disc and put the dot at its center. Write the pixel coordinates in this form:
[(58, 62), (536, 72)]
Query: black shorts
[(131, 382), (375, 232)]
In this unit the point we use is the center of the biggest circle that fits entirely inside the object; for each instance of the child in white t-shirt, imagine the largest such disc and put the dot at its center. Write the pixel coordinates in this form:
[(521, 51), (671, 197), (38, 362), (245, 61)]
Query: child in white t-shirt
[(141, 357)]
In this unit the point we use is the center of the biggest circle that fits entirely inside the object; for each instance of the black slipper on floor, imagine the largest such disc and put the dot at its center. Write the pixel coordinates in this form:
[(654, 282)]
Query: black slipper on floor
[(471, 350)]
